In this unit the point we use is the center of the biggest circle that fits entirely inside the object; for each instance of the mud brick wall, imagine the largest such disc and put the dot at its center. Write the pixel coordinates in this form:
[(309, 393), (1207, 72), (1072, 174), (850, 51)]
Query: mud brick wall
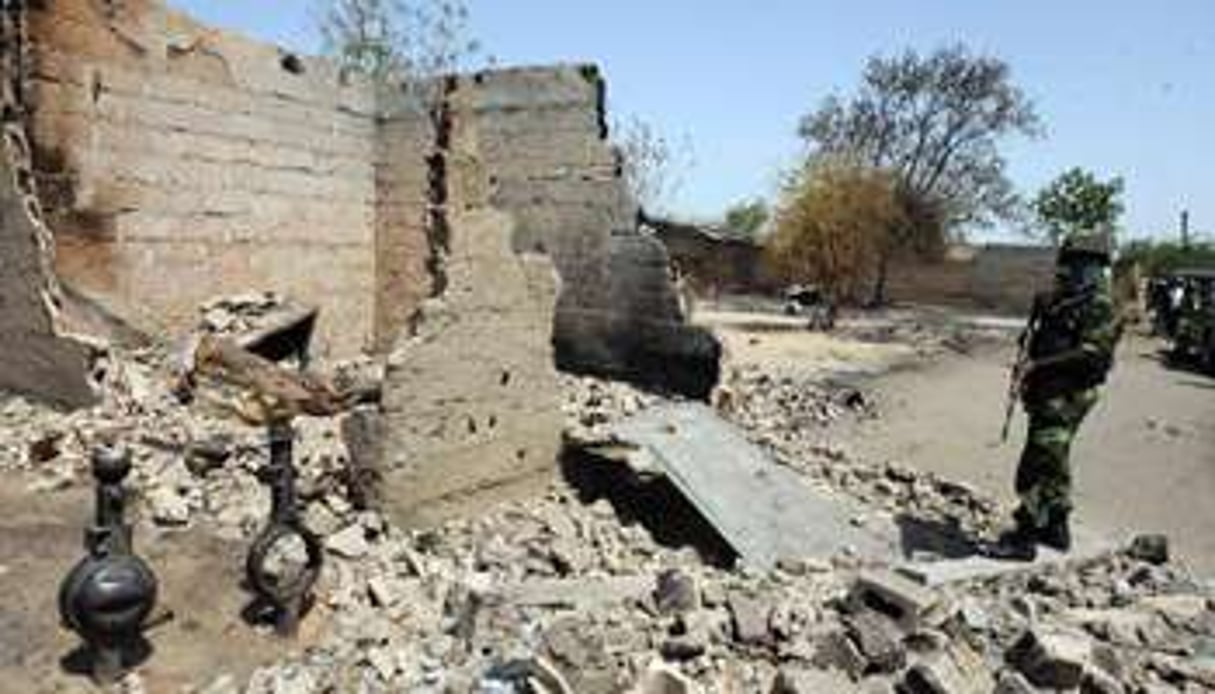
[(994, 277), (177, 162), (544, 144), (37, 358), (471, 397), (403, 182)]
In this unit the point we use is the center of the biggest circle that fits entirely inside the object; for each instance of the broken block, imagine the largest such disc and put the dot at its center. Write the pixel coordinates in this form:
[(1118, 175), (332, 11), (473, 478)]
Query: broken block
[(471, 398), (894, 595)]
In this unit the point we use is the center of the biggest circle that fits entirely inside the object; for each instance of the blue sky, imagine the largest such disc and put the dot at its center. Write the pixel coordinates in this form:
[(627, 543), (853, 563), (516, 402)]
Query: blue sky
[(1126, 88)]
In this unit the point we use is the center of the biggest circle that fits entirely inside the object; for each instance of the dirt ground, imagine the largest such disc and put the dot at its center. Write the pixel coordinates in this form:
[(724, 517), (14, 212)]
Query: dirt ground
[(40, 539), (1144, 460)]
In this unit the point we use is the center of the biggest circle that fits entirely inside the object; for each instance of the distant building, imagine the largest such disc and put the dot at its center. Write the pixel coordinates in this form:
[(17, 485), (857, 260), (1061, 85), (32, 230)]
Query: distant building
[(715, 260), (998, 277)]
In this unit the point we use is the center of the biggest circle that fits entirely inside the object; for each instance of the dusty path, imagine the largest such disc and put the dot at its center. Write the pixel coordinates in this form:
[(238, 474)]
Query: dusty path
[(1144, 460)]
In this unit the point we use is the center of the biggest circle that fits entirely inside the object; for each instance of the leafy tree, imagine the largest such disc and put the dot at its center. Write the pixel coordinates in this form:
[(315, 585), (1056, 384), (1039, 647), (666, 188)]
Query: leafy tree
[(934, 122), (748, 217), (653, 166), (1156, 257), (829, 226), (410, 41), (1077, 200)]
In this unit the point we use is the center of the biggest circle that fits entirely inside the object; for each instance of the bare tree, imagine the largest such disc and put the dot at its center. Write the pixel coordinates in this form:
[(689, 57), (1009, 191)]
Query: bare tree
[(935, 122), (410, 42), (653, 166)]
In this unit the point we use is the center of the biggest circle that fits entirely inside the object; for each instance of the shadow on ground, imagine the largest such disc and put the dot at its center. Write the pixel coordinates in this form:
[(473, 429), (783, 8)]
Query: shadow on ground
[(935, 538), (652, 501)]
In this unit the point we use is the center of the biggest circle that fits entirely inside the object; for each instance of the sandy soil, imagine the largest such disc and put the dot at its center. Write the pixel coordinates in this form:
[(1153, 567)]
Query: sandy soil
[(782, 342), (1144, 460)]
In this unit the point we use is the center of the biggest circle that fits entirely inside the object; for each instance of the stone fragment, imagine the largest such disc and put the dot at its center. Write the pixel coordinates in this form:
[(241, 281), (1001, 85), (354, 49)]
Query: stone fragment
[(1051, 657), (956, 670), (208, 454), (572, 644), (168, 507), (1013, 682), (749, 618), (363, 435), (836, 650), (1178, 609), (795, 680), (1153, 549), (1098, 681), (878, 641), (546, 675), (664, 679), (571, 557), (712, 594), (676, 592), (349, 543), (894, 595), (682, 647), (387, 590)]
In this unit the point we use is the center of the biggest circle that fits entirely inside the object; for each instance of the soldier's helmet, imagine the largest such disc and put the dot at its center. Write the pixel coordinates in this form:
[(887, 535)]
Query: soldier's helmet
[(1096, 243)]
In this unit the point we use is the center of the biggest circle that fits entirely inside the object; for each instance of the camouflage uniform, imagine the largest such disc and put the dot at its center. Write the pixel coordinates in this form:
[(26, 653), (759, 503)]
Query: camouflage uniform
[(1058, 396)]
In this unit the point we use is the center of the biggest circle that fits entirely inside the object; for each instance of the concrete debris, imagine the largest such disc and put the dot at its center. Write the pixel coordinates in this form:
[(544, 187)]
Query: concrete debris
[(794, 680), (878, 640), (1051, 658), (676, 592), (750, 619), (662, 679), (1153, 549), (896, 596), (566, 590), (762, 510), (263, 323)]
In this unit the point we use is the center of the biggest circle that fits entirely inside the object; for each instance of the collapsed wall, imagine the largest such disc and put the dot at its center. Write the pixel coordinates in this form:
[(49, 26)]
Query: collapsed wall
[(544, 142), (35, 359), (178, 162)]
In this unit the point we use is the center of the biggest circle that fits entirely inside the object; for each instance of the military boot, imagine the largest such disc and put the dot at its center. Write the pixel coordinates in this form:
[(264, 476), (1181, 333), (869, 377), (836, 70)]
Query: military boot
[(1018, 543), (1057, 534)]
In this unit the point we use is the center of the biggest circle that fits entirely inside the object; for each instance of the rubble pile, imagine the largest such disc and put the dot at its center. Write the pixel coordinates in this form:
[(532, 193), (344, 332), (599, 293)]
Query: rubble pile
[(505, 604), (240, 313), (564, 594), (590, 405)]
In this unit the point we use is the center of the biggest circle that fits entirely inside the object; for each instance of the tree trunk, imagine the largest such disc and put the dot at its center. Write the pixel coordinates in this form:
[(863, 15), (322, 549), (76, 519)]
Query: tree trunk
[(878, 297)]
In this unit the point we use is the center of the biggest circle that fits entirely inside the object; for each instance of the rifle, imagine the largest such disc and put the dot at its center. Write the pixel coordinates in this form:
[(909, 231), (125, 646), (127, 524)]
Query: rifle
[(1018, 369)]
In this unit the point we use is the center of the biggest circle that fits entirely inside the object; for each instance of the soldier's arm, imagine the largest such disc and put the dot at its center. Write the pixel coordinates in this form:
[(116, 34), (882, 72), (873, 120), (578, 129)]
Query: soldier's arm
[(1099, 336)]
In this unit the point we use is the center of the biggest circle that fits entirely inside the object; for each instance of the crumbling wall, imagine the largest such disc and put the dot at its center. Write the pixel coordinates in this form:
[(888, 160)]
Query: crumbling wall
[(406, 178), (178, 162), (471, 398), (35, 359), (544, 142)]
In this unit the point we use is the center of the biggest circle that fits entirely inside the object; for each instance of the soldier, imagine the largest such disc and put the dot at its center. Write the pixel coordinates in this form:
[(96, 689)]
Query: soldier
[(1072, 334)]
